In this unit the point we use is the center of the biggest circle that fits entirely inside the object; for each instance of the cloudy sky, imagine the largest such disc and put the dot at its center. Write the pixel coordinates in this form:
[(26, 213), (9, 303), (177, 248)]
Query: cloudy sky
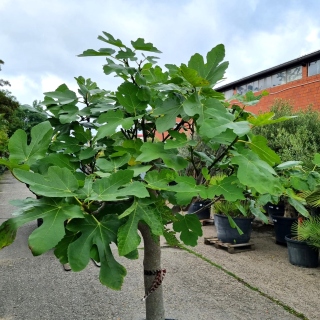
[(40, 39)]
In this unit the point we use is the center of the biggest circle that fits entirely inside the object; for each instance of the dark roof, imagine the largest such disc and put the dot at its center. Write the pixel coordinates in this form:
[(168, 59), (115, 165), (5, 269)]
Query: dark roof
[(268, 72)]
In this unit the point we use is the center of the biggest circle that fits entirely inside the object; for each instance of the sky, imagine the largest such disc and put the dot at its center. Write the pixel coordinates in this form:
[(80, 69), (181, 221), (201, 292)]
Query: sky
[(40, 39)]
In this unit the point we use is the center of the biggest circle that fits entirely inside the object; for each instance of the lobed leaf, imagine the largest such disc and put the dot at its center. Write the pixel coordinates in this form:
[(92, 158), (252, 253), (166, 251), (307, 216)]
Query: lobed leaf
[(267, 118), (259, 145), (113, 120), (189, 227), (22, 152), (168, 111), (127, 95), (128, 237), (59, 182), (229, 188), (140, 44), (54, 213), (152, 151), (193, 77), (218, 119), (118, 186), (255, 173), (93, 53), (97, 234)]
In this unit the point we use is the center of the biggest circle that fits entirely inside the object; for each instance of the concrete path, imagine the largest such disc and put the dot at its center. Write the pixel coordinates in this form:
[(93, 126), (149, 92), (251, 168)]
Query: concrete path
[(38, 288)]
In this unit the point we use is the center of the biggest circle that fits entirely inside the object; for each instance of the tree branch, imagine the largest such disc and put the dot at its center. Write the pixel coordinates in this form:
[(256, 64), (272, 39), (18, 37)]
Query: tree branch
[(223, 153)]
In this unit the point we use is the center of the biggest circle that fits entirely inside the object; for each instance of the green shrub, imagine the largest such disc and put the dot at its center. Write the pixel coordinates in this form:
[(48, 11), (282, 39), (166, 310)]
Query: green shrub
[(297, 139), (3, 145)]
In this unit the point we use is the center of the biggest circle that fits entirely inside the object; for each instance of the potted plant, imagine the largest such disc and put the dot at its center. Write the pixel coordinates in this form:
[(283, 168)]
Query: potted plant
[(304, 242), (233, 221), (274, 209), (201, 208), (103, 165), (296, 181)]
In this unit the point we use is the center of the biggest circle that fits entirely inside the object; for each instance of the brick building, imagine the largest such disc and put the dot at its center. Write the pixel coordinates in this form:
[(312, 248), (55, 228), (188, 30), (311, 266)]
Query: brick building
[(297, 80)]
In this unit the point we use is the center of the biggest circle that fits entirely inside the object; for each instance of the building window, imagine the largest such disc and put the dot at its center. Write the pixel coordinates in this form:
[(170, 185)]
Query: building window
[(256, 86), (314, 68), (262, 84), (228, 94), (242, 89), (265, 83), (294, 74), (278, 79), (250, 86)]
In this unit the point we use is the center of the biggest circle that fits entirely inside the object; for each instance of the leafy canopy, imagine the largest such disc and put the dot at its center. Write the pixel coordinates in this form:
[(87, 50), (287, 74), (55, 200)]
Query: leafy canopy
[(105, 163)]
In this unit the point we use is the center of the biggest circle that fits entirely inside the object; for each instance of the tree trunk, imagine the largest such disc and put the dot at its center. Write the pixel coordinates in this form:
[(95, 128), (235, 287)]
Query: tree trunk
[(289, 210), (151, 263)]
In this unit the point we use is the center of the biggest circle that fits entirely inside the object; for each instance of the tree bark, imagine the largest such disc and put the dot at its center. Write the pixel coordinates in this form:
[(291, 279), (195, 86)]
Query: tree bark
[(152, 262), (289, 210)]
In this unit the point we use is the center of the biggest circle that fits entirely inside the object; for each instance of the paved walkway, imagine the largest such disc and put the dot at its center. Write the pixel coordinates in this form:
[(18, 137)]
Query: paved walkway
[(38, 288)]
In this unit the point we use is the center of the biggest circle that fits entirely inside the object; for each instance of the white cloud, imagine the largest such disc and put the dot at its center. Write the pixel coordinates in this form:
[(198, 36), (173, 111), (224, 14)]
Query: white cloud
[(23, 87), (40, 47), (27, 90), (50, 82), (263, 49)]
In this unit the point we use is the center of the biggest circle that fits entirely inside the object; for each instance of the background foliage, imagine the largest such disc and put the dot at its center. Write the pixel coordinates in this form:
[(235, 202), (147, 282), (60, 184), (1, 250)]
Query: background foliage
[(297, 139), (13, 116)]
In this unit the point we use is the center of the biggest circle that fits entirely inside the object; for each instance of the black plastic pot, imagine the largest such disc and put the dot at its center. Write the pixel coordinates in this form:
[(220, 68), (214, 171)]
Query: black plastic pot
[(204, 214), (301, 254), (227, 234), (274, 209), (315, 212), (282, 227)]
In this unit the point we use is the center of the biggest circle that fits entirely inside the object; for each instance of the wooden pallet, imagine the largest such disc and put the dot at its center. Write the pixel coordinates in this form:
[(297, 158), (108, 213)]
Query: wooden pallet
[(204, 222), (231, 248)]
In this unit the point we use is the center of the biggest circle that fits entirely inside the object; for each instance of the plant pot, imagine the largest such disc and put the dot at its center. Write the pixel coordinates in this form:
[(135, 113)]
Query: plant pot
[(315, 212), (274, 209), (195, 206), (227, 234), (301, 254), (282, 227)]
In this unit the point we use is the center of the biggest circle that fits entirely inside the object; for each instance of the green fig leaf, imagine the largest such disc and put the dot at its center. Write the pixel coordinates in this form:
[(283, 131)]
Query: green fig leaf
[(140, 44), (255, 173), (128, 237), (228, 188), (118, 186), (21, 152), (59, 182), (168, 111), (99, 234), (127, 97), (152, 151), (189, 227), (259, 145)]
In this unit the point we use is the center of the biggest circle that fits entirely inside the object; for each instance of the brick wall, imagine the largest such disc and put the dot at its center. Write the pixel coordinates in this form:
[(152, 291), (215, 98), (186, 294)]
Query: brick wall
[(301, 93)]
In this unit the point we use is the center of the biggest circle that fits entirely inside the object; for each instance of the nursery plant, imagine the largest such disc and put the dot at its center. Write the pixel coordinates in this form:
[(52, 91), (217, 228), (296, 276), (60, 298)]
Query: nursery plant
[(297, 139), (298, 182), (308, 230), (106, 164)]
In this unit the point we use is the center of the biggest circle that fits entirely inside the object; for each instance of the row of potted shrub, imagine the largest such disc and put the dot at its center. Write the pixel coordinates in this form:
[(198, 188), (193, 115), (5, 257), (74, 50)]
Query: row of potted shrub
[(301, 235), (295, 222)]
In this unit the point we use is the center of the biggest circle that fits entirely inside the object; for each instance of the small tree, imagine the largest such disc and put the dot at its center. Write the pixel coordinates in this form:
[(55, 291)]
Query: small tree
[(30, 116), (101, 175), (3, 82)]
